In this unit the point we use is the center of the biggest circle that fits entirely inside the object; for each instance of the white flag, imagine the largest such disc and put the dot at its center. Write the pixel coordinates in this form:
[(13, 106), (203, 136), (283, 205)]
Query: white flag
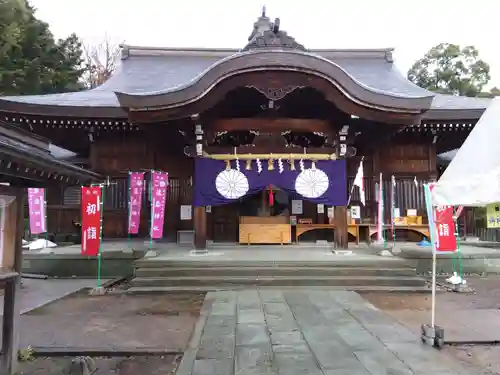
[(359, 182)]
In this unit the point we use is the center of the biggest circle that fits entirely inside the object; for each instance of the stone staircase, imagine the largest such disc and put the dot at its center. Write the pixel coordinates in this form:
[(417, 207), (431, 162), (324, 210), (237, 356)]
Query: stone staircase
[(349, 274)]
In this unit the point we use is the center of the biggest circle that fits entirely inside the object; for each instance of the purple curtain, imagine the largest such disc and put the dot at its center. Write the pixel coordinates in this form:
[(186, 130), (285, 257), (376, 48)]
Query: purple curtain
[(325, 182)]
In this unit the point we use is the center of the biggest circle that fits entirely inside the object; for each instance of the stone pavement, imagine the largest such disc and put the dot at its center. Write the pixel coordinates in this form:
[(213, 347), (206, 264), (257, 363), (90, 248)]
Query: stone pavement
[(36, 293), (310, 332)]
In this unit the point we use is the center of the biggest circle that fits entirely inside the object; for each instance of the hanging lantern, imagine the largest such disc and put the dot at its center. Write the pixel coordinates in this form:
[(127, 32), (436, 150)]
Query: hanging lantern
[(248, 166), (271, 196), (270, 165)]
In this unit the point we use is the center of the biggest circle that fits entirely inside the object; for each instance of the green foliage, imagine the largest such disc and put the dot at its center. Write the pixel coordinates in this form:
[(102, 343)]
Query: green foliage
[(31, 60), (26, 354), (449, 69), (495, 91)]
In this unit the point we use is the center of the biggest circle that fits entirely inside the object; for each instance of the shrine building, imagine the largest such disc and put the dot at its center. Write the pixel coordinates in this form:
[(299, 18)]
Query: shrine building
[(261, 143)]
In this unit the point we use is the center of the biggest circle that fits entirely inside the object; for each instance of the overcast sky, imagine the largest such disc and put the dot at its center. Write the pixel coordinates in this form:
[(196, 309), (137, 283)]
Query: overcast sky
[(410, 26)]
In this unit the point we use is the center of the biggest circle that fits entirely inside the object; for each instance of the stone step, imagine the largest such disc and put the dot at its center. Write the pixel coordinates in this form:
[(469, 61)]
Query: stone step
[(273, 271), (339, 261), (277, 281), (211, 288)]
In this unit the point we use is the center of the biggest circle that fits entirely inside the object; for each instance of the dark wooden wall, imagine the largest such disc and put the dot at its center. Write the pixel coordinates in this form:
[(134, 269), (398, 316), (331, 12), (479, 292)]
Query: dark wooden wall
[(152, 150), (114, 158)]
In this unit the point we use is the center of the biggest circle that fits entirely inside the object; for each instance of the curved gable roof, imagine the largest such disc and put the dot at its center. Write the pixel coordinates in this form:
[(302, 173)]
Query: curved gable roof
[(144, 71)]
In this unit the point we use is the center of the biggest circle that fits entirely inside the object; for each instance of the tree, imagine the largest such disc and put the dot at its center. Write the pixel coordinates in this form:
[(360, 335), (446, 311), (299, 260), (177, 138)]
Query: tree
[(31, 61), (100, 63), (450, 69), (495, 91)]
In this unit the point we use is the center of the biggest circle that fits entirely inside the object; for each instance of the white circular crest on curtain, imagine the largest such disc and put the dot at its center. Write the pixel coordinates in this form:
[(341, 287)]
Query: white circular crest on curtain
[(312, 183), (231, 184)]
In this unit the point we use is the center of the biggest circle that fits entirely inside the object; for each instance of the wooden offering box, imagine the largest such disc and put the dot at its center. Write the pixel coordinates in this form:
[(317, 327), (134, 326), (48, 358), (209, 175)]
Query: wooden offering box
[(265, 230)]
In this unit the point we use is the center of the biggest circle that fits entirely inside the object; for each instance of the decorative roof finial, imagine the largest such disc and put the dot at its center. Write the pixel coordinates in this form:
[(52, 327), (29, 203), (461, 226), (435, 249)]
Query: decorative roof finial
[(263, 11)]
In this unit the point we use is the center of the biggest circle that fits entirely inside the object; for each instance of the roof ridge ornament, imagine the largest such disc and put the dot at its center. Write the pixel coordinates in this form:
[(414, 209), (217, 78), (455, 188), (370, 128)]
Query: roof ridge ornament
[(267, 34)]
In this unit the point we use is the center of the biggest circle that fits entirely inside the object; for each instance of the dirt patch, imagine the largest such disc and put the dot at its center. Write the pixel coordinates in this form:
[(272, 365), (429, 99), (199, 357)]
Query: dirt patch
[(486, 296), (482, 359), (475, 316), (164, 365), (113, 321)]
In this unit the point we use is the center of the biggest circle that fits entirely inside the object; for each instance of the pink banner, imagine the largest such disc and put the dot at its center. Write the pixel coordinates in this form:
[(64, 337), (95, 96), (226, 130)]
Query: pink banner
[(159, 183), (36, 205), (136, 181)]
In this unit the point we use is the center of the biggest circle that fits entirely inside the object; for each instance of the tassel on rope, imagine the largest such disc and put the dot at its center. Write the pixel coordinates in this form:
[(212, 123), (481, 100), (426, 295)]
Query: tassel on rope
[(228, 165), (313, 165), (248, 166), (292, 164), (271, 196), (259, 166), (280, 165), (270, 165), (237, 163)]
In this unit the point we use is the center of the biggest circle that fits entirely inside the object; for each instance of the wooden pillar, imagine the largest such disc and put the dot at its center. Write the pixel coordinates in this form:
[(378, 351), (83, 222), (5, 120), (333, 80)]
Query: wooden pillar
[(341, 234), (12, 309), (200, 213)]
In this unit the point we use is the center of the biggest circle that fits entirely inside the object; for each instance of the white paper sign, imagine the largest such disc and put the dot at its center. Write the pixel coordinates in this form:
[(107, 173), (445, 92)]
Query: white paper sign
[(397, 212), (355, 212), (297, 207), (330, 212), (411, 212), (208, 209), (321, 208), (186, 212)]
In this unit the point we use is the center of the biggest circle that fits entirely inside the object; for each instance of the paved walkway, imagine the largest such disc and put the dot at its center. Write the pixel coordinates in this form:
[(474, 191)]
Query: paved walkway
[(305, 332)]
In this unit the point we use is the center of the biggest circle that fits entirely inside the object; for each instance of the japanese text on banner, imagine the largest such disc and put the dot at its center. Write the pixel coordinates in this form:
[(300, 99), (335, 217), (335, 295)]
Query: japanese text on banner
[(135, 201), (445, 229), (91, 220), (159, 181), (36, 206)]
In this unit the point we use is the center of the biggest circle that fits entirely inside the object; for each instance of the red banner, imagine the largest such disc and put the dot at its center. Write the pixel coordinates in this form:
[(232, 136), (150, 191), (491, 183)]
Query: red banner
[(445, 229), (91, 220), (136, 182)]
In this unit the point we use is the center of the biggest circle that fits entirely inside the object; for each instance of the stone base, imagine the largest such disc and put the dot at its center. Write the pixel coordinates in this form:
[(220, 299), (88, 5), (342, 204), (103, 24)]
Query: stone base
[(100, 291), (385, 253), (151, 254), (433, 336), (342, 252), (198, 252)]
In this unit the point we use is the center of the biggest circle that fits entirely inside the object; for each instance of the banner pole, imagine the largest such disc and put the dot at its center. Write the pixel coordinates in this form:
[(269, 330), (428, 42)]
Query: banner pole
[(46, 217), (151, 201), (432, 230), (99, 253), (129, 238)]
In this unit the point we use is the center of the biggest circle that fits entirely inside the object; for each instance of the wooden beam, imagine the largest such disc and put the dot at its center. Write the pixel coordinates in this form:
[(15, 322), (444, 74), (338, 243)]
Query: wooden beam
[(272, 125), (341, 233), (272, 156), (200, 228)]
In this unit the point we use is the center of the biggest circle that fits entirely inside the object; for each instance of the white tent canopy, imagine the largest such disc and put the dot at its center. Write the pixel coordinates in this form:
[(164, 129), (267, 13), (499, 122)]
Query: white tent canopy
[(473, 176)]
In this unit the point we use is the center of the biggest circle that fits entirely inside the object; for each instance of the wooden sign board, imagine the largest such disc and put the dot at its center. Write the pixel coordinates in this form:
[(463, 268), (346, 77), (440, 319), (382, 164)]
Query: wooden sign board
[(8, 230)]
